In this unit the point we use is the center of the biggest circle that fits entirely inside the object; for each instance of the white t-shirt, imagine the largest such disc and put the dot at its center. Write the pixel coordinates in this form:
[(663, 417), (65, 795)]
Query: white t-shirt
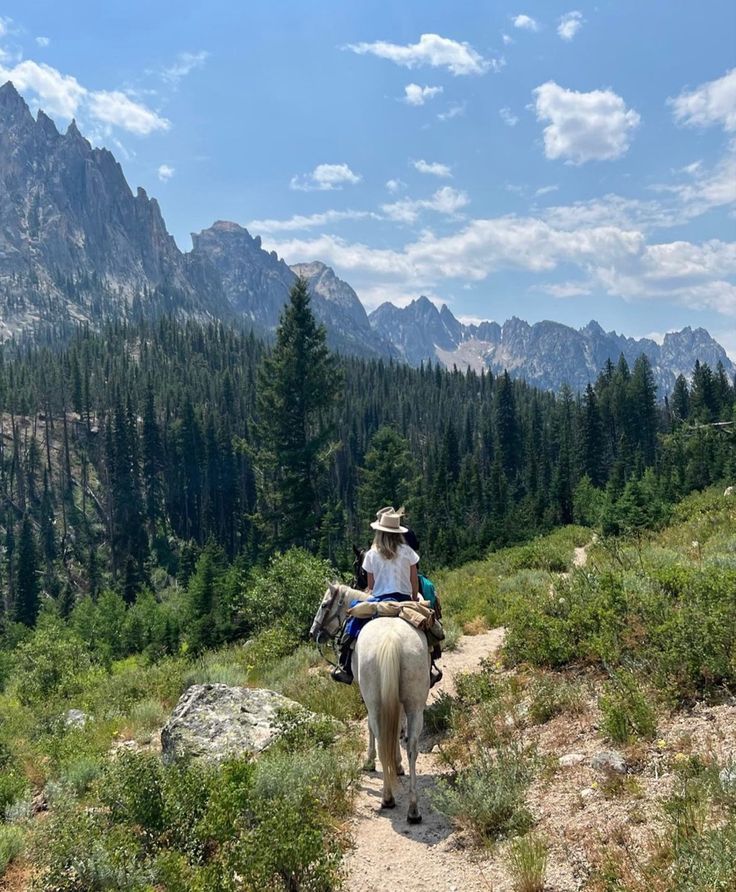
[(391, 576)]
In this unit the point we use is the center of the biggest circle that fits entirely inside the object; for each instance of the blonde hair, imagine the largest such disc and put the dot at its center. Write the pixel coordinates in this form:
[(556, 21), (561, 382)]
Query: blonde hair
[(387, 544)]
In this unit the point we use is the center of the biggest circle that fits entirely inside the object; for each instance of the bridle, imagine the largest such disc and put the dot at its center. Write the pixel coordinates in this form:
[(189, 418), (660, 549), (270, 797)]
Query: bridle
[(325, 635)]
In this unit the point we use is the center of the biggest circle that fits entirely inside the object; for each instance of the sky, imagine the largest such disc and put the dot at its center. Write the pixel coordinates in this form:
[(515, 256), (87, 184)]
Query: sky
[(533, 159)]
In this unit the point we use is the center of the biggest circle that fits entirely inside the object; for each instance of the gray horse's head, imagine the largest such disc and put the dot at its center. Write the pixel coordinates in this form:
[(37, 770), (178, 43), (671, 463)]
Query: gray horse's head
[(327, 619)]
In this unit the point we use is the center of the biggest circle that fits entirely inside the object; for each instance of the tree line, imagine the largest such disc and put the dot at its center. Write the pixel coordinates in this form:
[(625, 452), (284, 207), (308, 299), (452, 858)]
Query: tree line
[(124, 454)]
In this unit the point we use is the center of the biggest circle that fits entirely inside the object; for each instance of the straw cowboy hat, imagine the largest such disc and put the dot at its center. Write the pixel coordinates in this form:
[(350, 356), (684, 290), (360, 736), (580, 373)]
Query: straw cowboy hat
[(389, 522)]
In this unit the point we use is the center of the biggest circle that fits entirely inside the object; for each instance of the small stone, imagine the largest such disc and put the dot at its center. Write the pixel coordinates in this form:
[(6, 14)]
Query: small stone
[(570, 759), (587, 794), (609, 760), (727, 776), (75, 718)]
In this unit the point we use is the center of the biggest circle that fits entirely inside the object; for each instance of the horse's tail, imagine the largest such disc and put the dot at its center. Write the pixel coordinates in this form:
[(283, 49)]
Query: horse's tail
[(389, 714)]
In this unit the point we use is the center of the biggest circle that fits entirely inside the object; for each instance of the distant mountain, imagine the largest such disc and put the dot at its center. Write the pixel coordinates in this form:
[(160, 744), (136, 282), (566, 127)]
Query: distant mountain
[(257, 283), (546, 354), (75, 242)]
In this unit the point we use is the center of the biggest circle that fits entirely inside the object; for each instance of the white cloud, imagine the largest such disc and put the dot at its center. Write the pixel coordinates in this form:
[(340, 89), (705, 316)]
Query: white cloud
[(526, 22), (447, 201), (165, 172), (119, 110), (454, 111), (507, 39), (432, 49), (434, 168), (582, 127), (63, 95), (184, 64), (416, 95), (59, 94), (43, 41), (325, 178), (713, 102), (301, 221), (395, 186), (569, 25), (5, 26), (508, 117), (545, 190)]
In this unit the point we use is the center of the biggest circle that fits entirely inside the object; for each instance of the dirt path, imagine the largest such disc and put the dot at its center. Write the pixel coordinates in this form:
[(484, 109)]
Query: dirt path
[(390, 855)]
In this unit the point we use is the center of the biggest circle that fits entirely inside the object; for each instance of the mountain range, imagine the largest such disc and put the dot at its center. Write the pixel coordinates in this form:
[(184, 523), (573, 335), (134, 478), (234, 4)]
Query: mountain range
[(77, 245)]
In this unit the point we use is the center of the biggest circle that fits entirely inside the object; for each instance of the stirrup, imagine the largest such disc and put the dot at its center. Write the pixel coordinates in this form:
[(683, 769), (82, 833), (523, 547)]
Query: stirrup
[(341, 675), (435, 675)]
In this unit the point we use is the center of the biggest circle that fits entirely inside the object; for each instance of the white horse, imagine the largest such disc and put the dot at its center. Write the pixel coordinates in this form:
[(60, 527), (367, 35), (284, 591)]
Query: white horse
[(391, 665)]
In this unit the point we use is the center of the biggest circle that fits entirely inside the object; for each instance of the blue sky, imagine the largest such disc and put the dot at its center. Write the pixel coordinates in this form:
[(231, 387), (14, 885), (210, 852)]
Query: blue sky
[(546, 160)]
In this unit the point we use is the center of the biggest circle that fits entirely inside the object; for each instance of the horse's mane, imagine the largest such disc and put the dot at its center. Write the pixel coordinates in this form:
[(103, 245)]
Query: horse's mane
[(352, 593)]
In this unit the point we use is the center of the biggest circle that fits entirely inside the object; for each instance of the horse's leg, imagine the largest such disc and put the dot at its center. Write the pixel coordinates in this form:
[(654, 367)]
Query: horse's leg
[(414, 723), (370, 762), (399, 767)]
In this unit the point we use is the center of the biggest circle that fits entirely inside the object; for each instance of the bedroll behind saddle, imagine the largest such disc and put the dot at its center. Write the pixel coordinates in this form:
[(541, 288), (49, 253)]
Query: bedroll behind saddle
[(417, 613)]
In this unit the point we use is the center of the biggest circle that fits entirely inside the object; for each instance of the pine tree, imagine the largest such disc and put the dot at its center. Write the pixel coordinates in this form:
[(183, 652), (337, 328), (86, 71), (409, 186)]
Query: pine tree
[(297, 385), (388, 475), (27, 602)]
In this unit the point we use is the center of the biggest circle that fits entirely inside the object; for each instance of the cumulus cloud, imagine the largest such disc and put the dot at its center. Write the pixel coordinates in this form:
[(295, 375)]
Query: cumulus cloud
[(325, 178), (63, 95), (43, 41), (395, 185), (595, 126), (447, 201), (119, 110), (569, 25), (507, 39), (432, 50), (713, 102), (184, 64), (310, 221), (416, 95), (526, 22), (434, 168), (508, 117), (165, 172), (59, 94)]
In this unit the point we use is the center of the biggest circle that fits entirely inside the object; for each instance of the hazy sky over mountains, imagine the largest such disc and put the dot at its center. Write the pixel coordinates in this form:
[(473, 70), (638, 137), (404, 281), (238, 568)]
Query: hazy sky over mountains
[(546, 160)]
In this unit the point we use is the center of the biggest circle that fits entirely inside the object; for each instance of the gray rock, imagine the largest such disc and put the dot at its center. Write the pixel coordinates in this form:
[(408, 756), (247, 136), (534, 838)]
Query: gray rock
[(727, 776), (216, 722), (571, 759), (729, 491), (609, 761), (75, 718)]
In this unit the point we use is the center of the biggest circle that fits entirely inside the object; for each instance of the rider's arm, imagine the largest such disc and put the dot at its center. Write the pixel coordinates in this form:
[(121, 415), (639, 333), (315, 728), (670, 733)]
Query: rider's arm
[(414, 583), (371, 580)]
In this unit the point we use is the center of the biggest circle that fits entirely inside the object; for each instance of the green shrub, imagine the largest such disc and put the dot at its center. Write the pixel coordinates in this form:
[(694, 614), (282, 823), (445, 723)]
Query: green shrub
[(12, 843), (132, 789), (527, 858), (51, 663), (438, 715), (287, 593), (319, 693), (627, 713), (487, 797), (78, 774), (551, 696)]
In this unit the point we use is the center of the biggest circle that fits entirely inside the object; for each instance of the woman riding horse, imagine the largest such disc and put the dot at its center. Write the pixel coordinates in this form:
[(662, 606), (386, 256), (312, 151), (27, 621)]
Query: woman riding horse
[(391, 569)]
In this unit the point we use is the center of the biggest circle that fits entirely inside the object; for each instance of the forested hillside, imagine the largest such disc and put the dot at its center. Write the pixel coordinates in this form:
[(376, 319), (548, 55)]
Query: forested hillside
[(124, 453)]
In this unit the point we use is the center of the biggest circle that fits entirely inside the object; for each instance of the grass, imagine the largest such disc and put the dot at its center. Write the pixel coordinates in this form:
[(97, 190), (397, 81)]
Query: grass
[(551, 696), (627, 713), (12, 843), (527, 861)]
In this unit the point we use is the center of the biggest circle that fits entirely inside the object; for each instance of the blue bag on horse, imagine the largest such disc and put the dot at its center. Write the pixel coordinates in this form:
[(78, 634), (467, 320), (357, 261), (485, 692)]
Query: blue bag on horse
[(356, 623)]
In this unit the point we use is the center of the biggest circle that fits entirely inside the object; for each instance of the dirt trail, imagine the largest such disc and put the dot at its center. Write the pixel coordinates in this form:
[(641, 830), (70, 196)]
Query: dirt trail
[(392, 856)]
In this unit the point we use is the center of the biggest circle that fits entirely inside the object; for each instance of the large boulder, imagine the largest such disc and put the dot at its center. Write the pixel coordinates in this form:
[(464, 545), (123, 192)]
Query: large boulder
[(216, 722)]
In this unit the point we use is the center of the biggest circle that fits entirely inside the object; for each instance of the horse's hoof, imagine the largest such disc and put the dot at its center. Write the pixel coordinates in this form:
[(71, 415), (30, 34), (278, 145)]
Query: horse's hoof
[(391, 803), (414, 819)]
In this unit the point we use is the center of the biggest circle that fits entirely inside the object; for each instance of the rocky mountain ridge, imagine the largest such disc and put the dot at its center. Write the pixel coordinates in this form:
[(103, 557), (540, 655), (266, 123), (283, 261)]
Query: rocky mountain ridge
[(78, 245), (546, 354)]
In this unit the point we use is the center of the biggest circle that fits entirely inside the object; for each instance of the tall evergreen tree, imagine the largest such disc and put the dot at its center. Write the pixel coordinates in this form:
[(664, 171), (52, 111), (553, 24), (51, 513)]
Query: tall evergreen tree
[(388, 475), (27, 601), (297, 386)]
